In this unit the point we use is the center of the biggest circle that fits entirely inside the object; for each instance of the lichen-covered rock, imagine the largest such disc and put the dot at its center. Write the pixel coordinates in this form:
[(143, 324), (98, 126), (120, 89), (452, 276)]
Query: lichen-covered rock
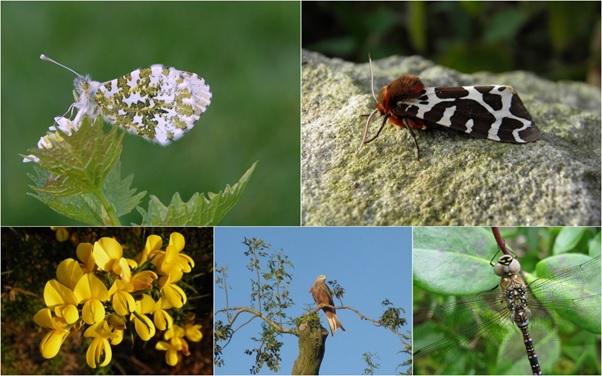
[(459, 180)]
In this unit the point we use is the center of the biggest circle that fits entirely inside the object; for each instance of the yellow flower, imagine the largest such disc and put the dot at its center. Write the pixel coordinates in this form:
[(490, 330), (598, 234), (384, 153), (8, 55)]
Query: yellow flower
[(171, 262), (193, 332), (175, 345), (59, 298), (172, 294), (143, 280), (123, 302), (53, 340), (143, 325), (152, 247), (108, 256), (60, 233), (161, 317), (101, 333), (84, 254), (92, 292)]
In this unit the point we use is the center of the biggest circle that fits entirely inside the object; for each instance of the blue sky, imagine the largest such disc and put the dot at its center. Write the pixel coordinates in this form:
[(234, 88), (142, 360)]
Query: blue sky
[(372, 264)]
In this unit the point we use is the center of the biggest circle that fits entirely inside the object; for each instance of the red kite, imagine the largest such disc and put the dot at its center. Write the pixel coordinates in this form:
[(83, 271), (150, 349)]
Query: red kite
[(322, 295)]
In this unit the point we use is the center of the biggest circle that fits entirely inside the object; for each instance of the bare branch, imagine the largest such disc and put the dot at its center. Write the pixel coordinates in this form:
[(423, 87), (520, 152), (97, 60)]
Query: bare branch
[(240, 310), (358, 313)]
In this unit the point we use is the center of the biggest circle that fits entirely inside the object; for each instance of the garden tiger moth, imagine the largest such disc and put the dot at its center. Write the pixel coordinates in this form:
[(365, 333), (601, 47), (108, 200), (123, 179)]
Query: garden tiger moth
[(494, 112)]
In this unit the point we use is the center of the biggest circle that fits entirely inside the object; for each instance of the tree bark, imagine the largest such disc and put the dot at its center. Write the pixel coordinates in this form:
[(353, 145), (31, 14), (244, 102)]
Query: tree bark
[(312, 344)]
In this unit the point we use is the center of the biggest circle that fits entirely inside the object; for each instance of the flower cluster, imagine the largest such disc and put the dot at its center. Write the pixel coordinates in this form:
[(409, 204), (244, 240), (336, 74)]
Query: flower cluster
[(107, 292), (53, 135)]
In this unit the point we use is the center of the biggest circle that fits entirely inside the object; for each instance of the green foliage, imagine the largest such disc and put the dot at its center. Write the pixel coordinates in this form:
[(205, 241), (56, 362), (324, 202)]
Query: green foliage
[(452, 322), (468, 36), (80, 162), (371, 363), (201, 210), (80, 178)]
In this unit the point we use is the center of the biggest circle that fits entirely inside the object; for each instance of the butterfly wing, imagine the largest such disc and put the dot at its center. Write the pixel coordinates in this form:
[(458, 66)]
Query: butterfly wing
[(494, 112), (158, 103)]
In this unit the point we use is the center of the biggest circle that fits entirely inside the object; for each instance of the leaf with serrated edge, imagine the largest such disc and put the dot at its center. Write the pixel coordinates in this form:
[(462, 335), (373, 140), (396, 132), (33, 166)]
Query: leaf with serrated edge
[(201, 210), (82, 160), (118, 192)]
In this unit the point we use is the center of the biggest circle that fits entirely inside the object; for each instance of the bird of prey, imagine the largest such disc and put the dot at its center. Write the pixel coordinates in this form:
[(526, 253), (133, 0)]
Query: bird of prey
[(322, 295)]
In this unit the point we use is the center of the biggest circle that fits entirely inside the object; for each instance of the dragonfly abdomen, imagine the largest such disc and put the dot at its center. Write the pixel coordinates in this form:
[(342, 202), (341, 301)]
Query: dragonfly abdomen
[(531, 355)]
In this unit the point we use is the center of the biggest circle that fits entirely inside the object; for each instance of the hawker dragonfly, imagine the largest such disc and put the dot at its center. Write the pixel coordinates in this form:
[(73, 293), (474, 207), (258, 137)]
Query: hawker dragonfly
[(462, 334)]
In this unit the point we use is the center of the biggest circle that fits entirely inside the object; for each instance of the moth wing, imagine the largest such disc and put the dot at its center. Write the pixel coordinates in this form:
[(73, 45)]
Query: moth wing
[(494, 112), (158, 103)]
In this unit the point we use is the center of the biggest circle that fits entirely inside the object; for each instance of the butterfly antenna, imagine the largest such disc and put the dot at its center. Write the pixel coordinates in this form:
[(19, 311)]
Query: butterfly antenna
[(372, 78), (46, 58)]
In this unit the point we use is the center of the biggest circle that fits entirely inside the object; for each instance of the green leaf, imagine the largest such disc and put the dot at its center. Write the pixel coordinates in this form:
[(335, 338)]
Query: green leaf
[(200, 210), (567, 239), (512, 355), (118, 192), (79, 163), (83, 207), (451, 273), (86, 207), (594, 246), (582, 289), (475, 241)]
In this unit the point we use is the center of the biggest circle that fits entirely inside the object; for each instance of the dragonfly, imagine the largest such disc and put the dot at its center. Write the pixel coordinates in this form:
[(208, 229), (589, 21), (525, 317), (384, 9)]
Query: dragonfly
[(517, 304)]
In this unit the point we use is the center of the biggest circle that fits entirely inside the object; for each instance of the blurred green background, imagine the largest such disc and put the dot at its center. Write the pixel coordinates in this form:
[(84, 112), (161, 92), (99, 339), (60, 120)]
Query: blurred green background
[(247, 52), (557, 40)]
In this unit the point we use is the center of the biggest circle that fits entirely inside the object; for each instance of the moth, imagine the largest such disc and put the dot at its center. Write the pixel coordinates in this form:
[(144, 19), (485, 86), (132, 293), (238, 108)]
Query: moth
[(157, 103), (494, 112)]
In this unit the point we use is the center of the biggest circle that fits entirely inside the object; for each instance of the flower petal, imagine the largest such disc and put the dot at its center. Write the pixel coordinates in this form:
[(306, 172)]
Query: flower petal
[(44, 318), (55, 293), (105, 251), (193, 332), (70, 313), (106, 347), (69, 272), (162, 319), (174, 295), (171, 357), (123, 303), (89, 286), (143, 280), (144, 326), (93, 311), (177, 241), (52, 342), (91, 353), (84, 254), (147, 304)]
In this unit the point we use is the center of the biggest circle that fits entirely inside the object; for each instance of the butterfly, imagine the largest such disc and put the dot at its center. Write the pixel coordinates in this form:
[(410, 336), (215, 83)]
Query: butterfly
[(158, 103)]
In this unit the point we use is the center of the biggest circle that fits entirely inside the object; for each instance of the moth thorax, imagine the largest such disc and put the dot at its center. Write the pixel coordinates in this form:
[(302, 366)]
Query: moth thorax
[(403, 88), (506, 265)]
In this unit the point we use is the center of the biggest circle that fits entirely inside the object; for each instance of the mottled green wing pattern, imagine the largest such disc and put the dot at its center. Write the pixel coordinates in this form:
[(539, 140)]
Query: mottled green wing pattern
[(157, 103)]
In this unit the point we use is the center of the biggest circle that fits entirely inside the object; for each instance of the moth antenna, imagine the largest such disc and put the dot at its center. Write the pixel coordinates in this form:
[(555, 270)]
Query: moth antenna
[(372, 78), (46, 58), (366, 127), (377, 132)]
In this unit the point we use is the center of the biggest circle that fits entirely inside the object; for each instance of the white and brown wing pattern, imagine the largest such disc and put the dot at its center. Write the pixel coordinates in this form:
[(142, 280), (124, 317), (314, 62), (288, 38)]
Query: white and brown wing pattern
[(494, 112)]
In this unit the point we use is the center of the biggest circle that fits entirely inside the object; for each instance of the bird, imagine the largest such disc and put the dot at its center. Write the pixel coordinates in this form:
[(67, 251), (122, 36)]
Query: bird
[(322, 295)]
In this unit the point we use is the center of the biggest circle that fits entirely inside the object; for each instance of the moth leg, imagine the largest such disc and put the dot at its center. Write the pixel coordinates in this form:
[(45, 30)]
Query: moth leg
[(409, 128), (364, 141)]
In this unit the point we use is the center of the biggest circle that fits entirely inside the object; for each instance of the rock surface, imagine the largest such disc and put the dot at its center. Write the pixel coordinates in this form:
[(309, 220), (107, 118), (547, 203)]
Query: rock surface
[(459, 180)]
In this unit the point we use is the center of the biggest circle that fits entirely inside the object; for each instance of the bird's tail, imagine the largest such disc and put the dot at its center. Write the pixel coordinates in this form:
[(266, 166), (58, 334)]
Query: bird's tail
[(334, 322)]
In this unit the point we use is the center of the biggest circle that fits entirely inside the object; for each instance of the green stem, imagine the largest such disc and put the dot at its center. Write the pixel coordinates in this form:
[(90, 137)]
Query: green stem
[(113, 218)]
